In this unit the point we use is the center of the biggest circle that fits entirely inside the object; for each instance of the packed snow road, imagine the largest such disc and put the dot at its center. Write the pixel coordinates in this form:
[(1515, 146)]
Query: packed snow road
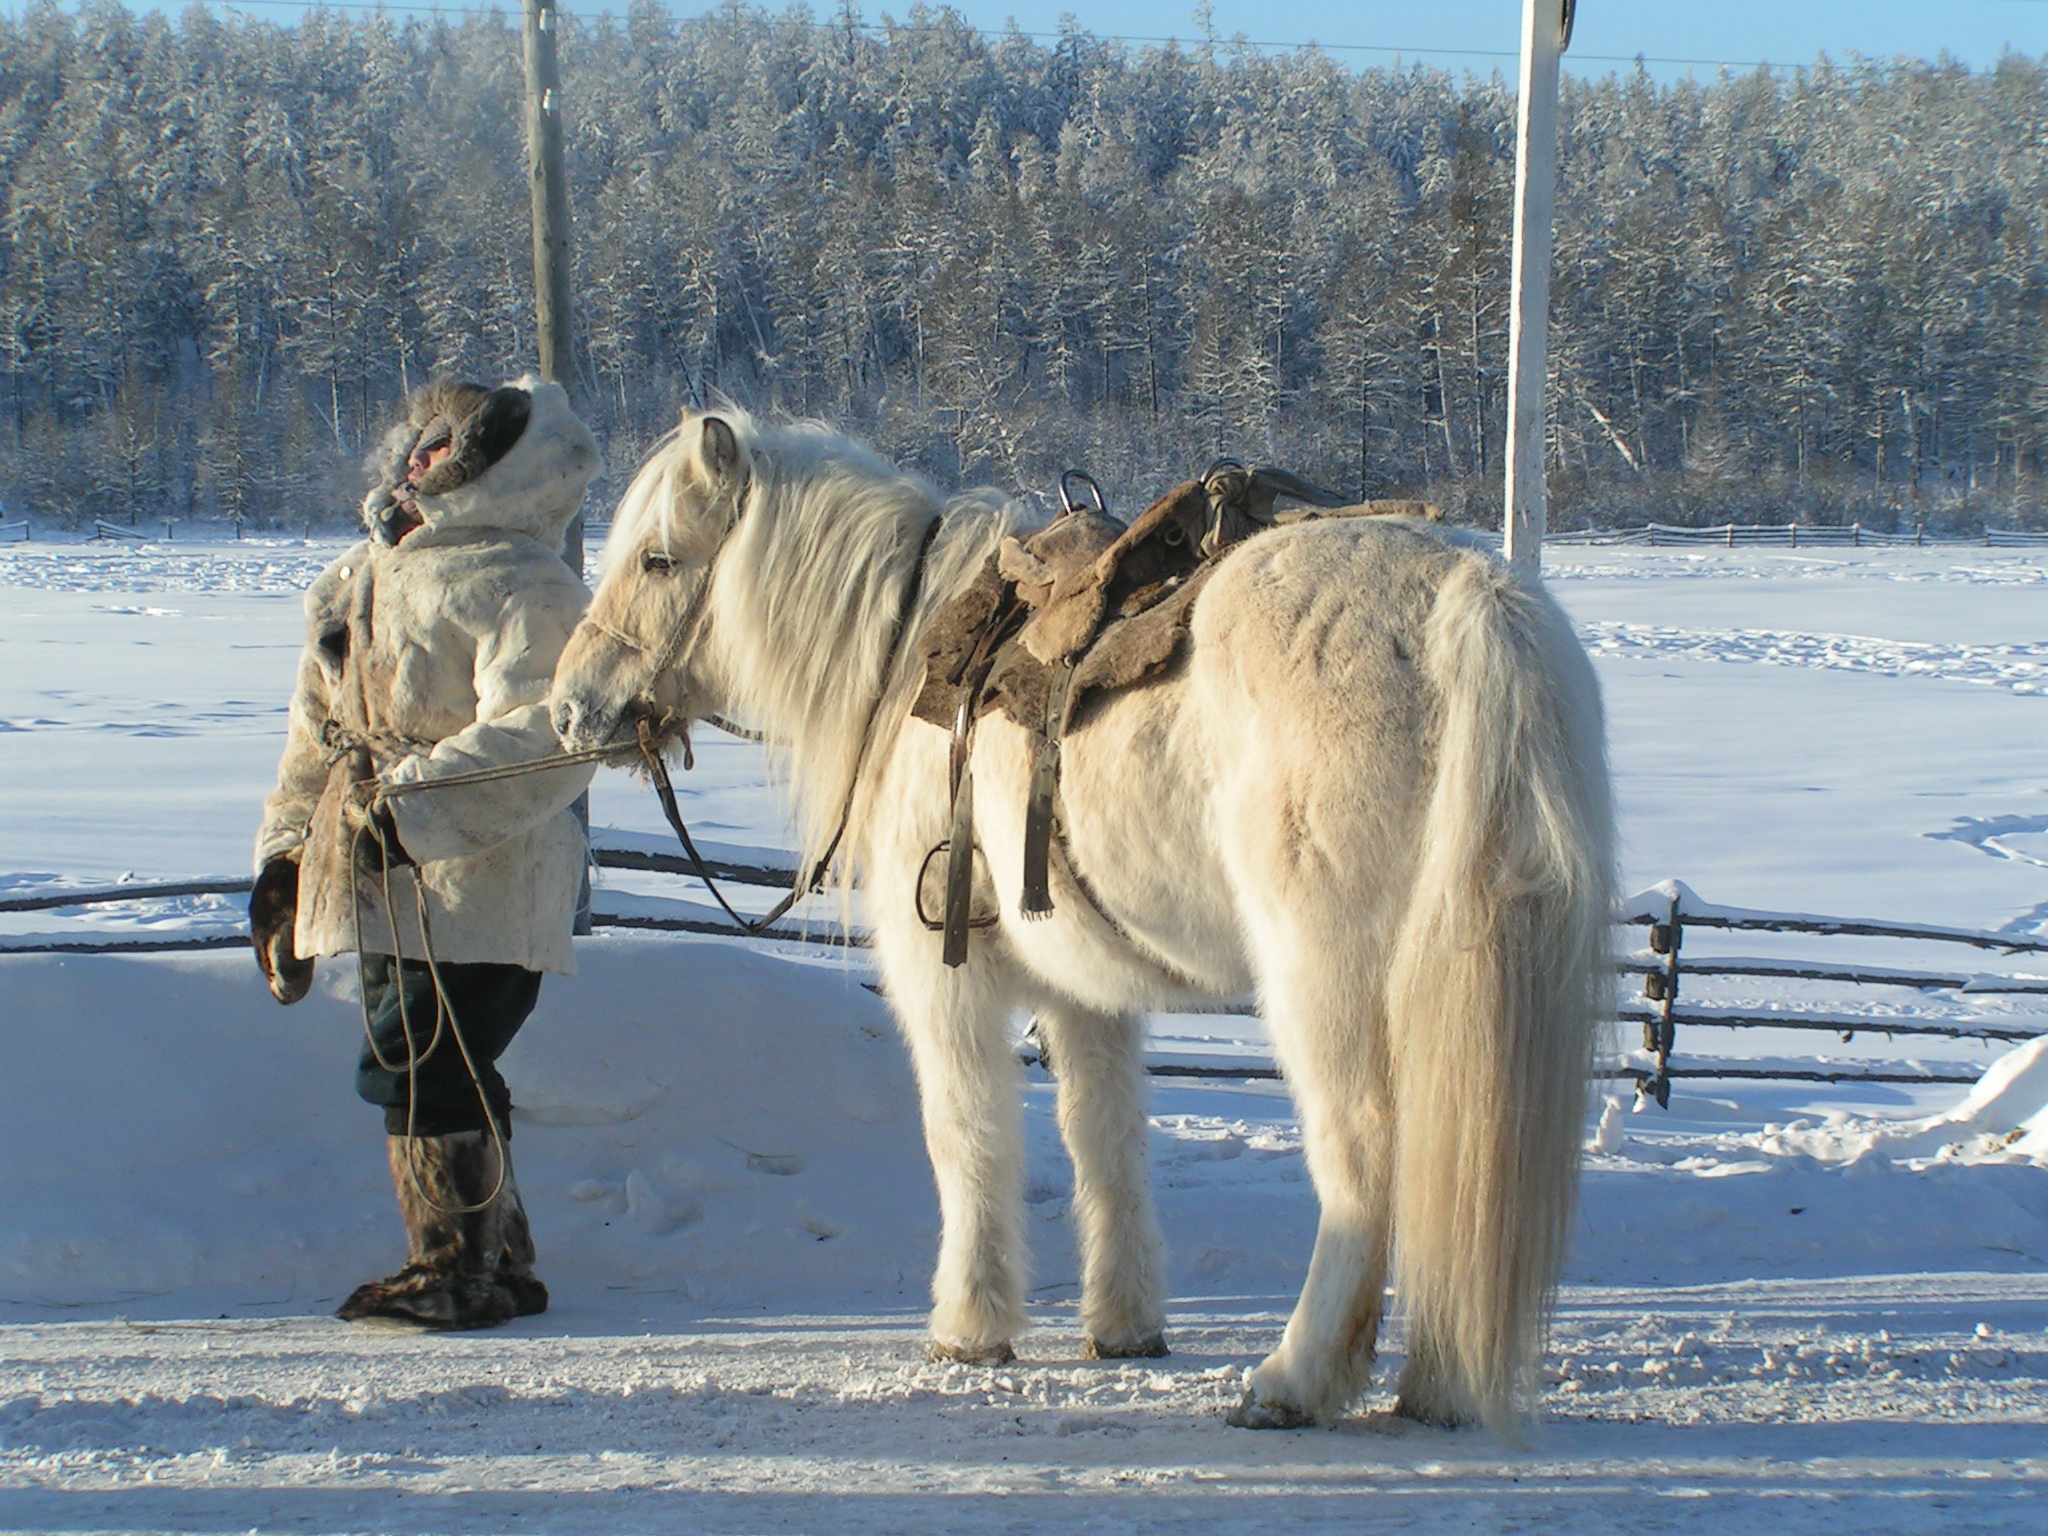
[(1884, 1403)]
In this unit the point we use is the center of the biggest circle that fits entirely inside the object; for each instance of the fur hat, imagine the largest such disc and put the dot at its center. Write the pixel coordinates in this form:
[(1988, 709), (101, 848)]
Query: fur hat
[(480, 425), (478, 437)]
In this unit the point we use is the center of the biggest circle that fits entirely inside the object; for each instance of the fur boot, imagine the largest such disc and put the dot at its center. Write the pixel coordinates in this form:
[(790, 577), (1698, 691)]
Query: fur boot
[(515, 1258), (451, 1278)]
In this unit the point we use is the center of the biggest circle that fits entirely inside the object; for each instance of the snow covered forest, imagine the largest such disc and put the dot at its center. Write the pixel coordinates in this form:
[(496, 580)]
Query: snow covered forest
[(229, 244)]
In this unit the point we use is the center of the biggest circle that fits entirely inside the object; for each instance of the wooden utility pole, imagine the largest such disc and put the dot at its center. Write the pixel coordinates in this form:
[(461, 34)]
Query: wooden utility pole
[(1546, 31), (540, 29)]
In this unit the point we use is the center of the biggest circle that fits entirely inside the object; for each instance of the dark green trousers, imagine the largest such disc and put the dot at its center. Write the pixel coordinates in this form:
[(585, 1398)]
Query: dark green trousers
[(489, 1003)]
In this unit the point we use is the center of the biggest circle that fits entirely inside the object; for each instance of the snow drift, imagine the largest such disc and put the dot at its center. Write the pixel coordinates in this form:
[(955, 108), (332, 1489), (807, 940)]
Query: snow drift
[(738, 1131), (694, 1118), (2005, 1116)]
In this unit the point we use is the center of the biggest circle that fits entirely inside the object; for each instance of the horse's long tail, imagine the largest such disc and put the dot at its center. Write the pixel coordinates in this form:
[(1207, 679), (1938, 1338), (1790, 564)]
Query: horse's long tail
[(1500, 970)]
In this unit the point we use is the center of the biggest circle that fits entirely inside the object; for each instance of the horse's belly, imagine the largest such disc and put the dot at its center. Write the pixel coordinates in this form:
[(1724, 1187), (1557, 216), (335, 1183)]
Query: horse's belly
[(1148, 916)]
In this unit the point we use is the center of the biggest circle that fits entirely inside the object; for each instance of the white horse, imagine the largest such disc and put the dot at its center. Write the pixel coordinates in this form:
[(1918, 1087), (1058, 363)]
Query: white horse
[(1374, 792)]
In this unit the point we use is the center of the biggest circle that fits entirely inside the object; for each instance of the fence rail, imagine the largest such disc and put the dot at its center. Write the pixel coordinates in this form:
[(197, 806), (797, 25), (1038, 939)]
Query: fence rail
[(1672, 907), (1794, 535), (1667, 910), (1844, 1025), (16, 532)]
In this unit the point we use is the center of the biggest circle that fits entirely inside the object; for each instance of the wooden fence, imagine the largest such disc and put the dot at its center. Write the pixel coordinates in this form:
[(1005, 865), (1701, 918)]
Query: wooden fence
[(1796, 535), (1668, 912)]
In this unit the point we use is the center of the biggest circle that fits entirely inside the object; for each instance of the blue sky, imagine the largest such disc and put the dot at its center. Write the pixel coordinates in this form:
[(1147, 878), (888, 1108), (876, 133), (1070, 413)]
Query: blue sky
[(1786, 31), (1478, 34)]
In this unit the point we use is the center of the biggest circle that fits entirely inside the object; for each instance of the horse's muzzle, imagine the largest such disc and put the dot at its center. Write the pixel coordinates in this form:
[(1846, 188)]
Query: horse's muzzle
[(581, 727)]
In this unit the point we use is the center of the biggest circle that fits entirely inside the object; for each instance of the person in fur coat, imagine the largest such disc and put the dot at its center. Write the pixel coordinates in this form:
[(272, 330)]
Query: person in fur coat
[(430, 649)]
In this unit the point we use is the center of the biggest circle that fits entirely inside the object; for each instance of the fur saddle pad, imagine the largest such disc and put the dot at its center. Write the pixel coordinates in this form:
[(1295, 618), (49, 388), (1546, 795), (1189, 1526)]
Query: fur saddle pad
[(1113, 601)]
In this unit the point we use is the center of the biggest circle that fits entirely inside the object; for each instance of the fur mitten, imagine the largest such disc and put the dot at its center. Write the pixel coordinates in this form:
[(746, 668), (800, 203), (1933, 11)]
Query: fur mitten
[(375, 845), (273, 920)]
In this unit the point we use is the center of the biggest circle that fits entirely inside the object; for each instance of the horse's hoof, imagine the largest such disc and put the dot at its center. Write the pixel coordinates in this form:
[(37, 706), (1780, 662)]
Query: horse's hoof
[(1254, 1414), (1151, 1347), (998, 1353), (1435, 1418)]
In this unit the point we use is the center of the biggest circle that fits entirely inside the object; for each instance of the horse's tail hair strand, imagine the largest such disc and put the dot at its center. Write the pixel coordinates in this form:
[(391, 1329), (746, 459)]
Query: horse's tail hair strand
[(1498, 979)]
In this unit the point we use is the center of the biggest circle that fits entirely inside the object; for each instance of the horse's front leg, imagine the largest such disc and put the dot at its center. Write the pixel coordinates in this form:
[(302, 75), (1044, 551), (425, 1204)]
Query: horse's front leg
[(958, 1025), (1097, 1060)]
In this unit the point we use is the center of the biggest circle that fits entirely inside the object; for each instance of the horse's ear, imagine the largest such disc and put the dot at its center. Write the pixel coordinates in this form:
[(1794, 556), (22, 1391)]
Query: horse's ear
[(720, 450)]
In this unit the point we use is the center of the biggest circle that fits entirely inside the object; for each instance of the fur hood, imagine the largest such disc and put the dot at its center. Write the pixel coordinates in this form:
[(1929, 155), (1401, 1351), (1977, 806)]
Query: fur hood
[(534, 487)]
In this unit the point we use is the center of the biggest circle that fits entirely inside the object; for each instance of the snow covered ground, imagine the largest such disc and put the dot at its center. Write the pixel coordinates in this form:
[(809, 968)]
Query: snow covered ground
[(1805, 1305)]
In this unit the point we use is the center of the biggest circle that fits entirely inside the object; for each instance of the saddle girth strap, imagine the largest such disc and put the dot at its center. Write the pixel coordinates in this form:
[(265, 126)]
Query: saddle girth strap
[(960, 853), (959, 874), (1039, 807)]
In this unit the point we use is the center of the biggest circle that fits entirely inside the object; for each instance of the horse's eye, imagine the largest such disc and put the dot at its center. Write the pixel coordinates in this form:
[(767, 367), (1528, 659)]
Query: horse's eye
[(660, 565)]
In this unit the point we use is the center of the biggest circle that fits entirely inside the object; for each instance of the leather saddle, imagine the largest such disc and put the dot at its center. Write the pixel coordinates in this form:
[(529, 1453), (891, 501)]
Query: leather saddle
[(1083, 608)]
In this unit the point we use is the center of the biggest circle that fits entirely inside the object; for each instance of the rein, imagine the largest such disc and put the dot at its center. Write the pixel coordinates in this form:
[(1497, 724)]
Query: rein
[(504, 771), (649, 748), (664, 788)]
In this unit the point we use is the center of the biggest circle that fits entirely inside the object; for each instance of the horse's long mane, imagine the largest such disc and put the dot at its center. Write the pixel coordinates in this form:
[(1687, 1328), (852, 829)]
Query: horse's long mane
[(807, 595)]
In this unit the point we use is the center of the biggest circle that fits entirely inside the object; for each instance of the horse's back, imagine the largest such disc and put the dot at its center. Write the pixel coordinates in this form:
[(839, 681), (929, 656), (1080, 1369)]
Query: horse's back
[(1318, 628)]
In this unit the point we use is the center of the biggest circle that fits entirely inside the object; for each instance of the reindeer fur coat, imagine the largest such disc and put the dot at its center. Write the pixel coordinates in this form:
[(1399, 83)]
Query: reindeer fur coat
[(436, 655)]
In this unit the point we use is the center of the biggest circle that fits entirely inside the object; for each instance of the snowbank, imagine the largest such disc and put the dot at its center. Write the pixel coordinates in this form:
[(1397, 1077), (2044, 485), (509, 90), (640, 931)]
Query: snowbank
[(738, 1131), (2006, 1114), (691, 1118)]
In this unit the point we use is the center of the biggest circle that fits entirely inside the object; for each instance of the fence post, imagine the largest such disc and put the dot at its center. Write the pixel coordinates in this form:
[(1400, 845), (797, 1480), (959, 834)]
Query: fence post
[(1794, 528), (1855, 535), (1660, 1034)]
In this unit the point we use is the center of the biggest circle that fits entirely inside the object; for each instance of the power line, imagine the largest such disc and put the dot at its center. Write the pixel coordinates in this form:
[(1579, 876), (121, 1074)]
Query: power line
[(428, 8)]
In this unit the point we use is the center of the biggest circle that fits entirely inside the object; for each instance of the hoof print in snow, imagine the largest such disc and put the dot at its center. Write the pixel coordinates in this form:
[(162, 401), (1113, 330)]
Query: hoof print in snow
[(379, 1323), (817, 1227), (1384, 1421), (999, 1353), (1253, 1414), (1150, 1347)]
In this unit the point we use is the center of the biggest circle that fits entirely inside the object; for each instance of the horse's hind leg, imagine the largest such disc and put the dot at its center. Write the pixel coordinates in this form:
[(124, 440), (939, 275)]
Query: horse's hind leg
[(1325, 1357), (1097, 1060)]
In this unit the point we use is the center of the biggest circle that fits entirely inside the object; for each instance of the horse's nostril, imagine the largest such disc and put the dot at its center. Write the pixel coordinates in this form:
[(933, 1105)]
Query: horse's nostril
[(564, 716)]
